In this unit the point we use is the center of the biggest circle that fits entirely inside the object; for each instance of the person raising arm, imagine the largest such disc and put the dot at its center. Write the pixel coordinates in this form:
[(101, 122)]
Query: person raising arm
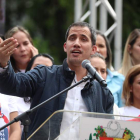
[(43, 82)]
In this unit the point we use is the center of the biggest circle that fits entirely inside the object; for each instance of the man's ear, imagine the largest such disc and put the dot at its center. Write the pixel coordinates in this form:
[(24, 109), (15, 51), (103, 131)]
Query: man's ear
[(94, 49), (129, 49), (64, 46)]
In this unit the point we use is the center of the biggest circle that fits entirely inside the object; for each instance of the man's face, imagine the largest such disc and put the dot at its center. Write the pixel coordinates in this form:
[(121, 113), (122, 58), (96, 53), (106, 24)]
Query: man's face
[(78, 45)]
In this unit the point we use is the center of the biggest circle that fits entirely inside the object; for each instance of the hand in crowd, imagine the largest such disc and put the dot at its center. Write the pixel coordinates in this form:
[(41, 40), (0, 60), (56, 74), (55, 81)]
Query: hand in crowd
[(7, 47), (34, 51)]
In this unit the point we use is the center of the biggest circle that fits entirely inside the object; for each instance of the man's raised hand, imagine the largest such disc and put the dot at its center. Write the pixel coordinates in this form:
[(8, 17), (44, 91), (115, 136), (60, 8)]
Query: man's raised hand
[(7, 47)]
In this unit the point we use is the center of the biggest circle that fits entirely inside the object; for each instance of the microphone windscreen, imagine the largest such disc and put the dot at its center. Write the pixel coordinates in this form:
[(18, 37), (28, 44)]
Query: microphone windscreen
[(84, 62)]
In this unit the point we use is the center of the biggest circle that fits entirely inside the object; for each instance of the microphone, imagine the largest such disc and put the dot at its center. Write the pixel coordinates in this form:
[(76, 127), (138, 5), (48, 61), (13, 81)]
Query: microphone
[(87, 65)]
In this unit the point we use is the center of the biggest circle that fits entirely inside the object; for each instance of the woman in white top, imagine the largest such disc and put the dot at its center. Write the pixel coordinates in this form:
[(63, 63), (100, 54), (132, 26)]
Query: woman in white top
[(131, 94), (25, 54), (8, 111), (21, 57)]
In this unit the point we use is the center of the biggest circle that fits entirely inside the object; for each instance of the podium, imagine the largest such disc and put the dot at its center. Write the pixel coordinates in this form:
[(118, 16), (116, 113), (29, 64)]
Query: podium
[(73, 125)]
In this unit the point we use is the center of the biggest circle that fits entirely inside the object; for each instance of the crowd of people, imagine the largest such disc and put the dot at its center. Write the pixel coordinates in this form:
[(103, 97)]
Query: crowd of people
[(28, 78)]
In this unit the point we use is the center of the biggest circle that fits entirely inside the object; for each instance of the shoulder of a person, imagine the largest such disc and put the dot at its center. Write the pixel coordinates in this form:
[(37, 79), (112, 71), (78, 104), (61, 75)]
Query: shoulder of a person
[(118, 75), (124, 109)]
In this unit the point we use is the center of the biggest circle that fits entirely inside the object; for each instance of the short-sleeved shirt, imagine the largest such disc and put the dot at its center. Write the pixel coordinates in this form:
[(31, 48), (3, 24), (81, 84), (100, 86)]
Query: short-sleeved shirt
[(7, 105), (129, 111)]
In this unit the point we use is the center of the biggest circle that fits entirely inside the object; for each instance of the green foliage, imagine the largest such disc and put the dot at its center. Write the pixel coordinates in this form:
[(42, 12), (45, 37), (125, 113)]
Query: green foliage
[(48, 20), (131, 17), (41, 45), (90, 137), (99, 132), (128, 134)]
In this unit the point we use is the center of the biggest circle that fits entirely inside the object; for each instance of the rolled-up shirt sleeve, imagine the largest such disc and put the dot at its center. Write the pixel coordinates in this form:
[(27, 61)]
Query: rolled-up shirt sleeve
[(12, 103)]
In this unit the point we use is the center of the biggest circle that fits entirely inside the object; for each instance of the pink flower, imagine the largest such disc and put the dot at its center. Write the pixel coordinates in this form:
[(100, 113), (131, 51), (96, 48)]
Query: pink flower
[(101, 126)]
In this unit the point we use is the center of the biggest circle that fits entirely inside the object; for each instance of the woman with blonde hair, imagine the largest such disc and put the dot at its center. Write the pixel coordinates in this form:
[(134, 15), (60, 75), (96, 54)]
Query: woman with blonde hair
[(131, 93), (25, 50), (131, 54), (21, 57)]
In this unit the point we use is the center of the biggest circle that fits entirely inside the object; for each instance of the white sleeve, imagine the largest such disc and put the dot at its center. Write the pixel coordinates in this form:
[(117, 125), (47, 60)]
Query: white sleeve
[(12, 104)]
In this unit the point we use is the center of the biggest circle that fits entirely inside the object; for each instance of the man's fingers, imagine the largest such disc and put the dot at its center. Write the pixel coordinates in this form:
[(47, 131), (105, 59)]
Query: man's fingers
[(11, 44), (11, 52), (1, 40), (7, 41), (9, 48)]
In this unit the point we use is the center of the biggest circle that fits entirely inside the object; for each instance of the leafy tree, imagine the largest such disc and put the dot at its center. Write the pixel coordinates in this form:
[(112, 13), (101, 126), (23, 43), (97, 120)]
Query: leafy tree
[(46, 20)]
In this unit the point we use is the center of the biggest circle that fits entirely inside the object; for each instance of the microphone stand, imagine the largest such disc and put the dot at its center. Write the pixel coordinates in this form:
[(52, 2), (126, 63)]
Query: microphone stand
[(24, 117)]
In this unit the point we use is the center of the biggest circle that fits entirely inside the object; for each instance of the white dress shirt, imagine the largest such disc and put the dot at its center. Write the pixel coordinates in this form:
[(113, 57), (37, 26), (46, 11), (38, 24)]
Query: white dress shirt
[(74, 102)]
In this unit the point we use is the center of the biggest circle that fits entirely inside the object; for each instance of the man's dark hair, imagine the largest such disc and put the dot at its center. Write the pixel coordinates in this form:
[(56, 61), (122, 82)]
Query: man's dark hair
[(83, 24)]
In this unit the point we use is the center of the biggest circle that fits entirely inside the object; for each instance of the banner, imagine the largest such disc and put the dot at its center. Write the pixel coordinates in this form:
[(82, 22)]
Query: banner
[(108, 129)]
